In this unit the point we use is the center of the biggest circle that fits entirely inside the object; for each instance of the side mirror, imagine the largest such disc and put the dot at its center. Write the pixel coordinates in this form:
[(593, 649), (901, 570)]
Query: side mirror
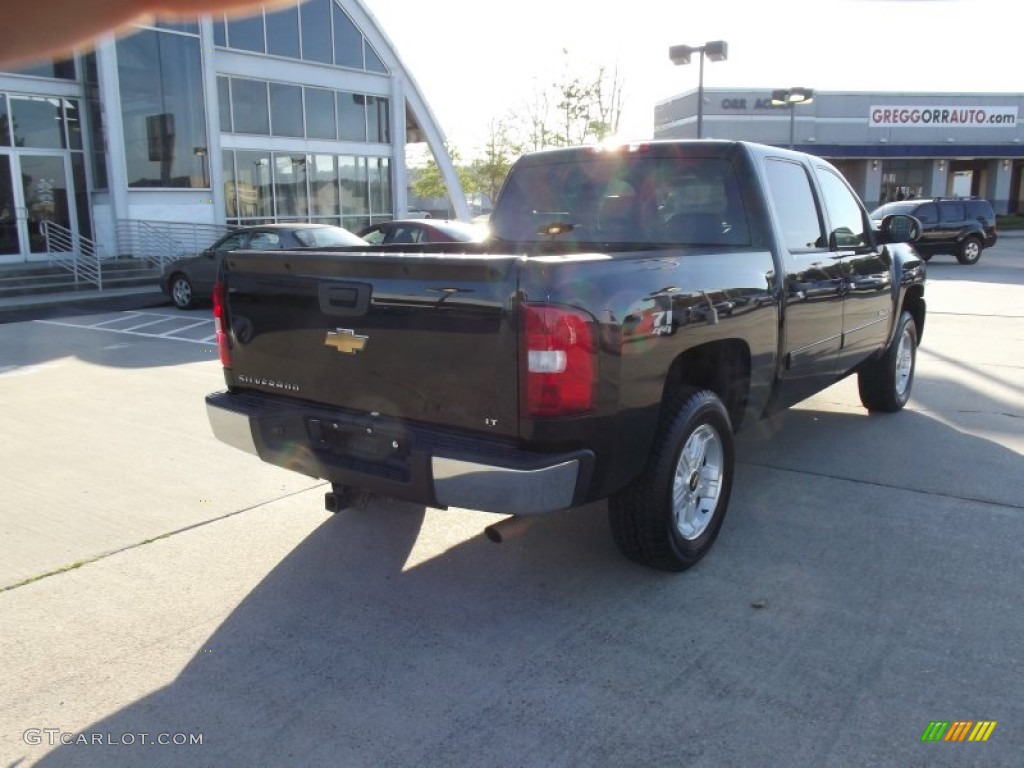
[(209, 253), (899, 228)]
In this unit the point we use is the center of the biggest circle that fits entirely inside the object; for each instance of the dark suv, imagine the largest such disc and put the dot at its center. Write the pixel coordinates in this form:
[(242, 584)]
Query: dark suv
[(962, 226)]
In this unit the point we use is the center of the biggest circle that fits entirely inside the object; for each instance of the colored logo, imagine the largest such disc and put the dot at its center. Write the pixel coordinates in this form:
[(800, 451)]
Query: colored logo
[(958, 730), (346, 341)]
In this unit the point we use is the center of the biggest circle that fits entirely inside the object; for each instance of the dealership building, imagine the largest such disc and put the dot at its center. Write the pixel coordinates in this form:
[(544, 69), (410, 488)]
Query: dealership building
[(888, 145), (299, 113)]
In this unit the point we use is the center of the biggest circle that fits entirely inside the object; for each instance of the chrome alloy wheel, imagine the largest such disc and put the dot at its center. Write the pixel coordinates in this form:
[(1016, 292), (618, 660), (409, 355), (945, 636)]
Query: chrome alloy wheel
[(181, 292), (698, 482), (904, 362)]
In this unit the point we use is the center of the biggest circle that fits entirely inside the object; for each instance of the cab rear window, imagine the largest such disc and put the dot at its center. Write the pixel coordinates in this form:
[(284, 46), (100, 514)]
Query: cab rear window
[(624, 199)]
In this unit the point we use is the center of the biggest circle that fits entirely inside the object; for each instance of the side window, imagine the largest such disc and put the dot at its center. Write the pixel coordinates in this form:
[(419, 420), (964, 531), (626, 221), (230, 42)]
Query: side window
[(844, 212), (927, 214), (265, 241), (794, 203), (951, 212), (980, 209), (233, 243)]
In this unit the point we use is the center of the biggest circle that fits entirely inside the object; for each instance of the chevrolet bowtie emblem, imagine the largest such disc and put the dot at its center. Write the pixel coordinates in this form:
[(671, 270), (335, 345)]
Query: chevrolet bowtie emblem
[(346, 341)]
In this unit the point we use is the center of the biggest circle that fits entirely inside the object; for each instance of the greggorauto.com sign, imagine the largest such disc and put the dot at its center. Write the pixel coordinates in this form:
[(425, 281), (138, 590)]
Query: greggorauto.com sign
[(944, 117)]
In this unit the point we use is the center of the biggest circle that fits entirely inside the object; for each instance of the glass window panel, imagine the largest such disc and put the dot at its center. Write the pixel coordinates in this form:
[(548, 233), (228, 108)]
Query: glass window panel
[(320, 119), (249, 106), (849, 228), (82, 207), (224, 103), (316, 31), (163, 110), (351, 116), (72, 123), (373, 62), (10, 242), (290, 185), (253, 181), (94, 114), (377, 118), (220, 35), (355, 223), (62, 69), (323, 186), (797, 211), (5, 125), (354, 182), (228, 174), (380, 186), (37, 122), (286, 110), (246, 33), (348, 40), (283, 32)]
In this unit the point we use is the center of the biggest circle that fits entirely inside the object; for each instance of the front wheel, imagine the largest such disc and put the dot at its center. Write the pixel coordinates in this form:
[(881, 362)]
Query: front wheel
[(970, 250), (885, 383), (181, 292), (669, 517)]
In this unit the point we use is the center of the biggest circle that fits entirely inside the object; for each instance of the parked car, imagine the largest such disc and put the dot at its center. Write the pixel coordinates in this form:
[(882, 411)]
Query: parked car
[(962, 226), (191, 279), (423, 231)]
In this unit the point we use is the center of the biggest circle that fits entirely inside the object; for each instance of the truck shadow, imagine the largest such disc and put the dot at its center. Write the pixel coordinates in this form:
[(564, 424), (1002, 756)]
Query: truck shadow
[(349, 652)]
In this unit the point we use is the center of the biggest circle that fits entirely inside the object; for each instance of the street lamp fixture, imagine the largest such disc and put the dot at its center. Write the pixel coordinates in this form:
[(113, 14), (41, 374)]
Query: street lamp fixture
[(789, 98), (716, 50)]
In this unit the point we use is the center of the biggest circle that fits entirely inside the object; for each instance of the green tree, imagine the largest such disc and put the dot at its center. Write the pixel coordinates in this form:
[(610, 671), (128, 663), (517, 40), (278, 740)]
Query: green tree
[(428, 182), (576, 108), (499, 152)]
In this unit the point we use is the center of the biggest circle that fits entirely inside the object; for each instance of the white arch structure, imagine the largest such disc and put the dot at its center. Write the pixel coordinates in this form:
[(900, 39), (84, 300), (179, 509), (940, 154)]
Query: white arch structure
[(406, 95)]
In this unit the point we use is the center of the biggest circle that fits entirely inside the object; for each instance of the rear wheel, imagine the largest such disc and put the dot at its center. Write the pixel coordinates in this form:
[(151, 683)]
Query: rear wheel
[(669, 517), (970, 250), (885, 383)]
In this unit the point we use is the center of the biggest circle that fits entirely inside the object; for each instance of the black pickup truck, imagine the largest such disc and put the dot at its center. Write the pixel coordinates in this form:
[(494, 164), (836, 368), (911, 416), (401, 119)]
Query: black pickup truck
[(631, 307)]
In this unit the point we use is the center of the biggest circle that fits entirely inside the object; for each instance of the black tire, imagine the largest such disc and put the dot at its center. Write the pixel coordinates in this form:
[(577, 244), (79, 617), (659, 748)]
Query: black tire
[(644, 521), (181, 290), (885, 383), (970, 250)]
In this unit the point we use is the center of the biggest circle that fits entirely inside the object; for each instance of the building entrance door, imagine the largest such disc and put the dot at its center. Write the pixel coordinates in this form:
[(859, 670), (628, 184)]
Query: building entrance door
[(34, 187)]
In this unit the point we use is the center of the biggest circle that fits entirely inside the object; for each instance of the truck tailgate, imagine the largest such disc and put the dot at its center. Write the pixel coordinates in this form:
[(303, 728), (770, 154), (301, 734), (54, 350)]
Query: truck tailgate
[(421, 337)]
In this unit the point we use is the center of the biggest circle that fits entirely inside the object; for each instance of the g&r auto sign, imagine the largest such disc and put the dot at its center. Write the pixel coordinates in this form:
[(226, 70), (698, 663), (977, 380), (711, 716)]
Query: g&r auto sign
[(945, 117)]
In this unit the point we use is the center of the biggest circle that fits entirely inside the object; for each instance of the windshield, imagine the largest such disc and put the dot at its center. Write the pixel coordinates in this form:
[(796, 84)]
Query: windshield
[(616, 199), (890, 208)]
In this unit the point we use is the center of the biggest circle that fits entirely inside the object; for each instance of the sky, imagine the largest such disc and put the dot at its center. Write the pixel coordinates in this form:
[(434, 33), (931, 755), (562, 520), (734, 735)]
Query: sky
[(477, 60)]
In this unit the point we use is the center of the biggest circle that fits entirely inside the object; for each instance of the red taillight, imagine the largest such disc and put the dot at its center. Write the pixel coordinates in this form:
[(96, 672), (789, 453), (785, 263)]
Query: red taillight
[(559, 361), (219, 325)]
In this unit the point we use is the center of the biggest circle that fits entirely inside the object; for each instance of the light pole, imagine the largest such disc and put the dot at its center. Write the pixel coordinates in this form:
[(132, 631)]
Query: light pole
[(716, 50), (789, 98)]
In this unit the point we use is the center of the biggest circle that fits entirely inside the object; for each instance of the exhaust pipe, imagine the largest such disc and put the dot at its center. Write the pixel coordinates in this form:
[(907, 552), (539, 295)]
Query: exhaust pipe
[(509, 528)]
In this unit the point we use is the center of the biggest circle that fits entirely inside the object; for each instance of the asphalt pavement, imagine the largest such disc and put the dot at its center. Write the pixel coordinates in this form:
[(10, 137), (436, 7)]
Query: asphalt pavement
[(159, 586)]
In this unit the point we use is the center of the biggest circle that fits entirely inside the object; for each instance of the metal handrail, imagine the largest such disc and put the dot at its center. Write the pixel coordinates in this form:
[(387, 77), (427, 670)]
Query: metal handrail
[(73, 252), (159, 242)]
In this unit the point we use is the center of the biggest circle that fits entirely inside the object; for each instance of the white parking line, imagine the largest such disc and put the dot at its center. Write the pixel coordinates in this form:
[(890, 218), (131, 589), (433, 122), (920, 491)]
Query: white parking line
[(183, 328), (145, 325), (125, 316), (118, 330)]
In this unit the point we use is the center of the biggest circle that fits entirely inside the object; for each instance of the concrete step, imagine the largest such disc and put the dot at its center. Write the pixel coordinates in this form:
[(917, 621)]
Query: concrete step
[(29, 279)]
